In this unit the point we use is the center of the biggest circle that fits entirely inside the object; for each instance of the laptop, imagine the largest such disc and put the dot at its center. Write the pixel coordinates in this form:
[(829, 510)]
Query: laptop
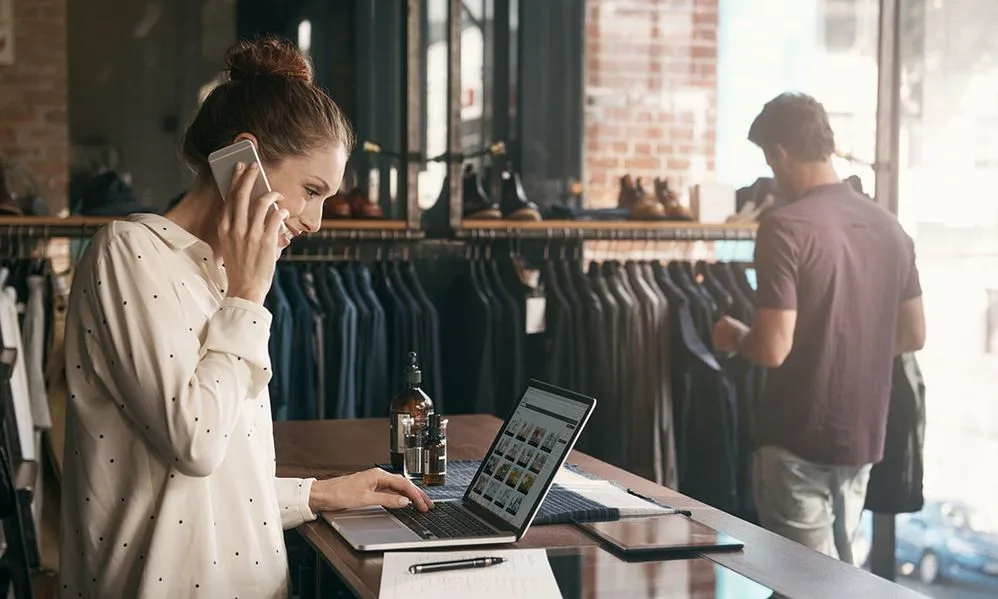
[(504, 495)]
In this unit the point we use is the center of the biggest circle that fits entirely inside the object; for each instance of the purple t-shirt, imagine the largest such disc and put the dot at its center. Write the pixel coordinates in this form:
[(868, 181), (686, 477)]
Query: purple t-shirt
[(845, 265)]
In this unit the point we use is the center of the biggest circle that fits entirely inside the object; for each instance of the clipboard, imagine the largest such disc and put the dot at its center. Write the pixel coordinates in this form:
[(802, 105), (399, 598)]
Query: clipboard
[(672, 535)]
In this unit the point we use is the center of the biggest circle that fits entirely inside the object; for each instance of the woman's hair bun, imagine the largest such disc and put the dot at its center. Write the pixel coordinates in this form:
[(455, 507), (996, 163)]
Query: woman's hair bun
[(267, 57)]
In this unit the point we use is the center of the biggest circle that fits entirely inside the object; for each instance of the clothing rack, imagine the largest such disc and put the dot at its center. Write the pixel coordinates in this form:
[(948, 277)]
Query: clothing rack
[(394, 230), (82, 227), (619, 230)]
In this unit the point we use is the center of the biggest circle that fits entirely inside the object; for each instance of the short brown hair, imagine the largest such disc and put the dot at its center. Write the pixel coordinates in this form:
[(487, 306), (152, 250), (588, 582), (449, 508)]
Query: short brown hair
[(268, 91), (798, 123)]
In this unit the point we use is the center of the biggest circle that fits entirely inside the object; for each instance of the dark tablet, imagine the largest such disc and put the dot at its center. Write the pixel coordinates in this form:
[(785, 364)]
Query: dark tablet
[(669, 534)]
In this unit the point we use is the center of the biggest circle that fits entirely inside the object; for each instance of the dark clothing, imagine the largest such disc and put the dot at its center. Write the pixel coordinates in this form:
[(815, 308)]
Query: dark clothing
[(466, 343), (374, 402), (318, 341), (362, 349), (430, 335), (703, 399), (558, 327), (301, 400), (398, 338), (510, 359), (281, 331), (896, 481), (343, 404), (844, 265)]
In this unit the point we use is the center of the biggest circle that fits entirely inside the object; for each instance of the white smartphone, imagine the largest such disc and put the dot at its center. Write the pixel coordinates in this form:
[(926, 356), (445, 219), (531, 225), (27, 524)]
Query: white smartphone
[(223, 164)]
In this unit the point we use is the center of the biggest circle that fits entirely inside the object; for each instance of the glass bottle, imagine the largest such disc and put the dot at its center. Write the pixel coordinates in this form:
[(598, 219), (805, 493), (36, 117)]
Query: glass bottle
[(412, 448), (434, 453), (413, 402)]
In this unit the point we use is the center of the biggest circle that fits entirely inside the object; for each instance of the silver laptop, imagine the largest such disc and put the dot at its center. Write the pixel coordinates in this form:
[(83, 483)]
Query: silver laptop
[(504, 495)]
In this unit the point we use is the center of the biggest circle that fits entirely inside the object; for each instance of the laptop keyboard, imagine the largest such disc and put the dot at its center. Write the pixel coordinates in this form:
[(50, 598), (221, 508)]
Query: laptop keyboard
[(445, 521)]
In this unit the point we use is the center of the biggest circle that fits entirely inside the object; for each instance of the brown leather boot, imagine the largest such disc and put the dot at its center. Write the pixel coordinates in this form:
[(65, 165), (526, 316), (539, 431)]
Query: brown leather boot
[(626, 194), (514, 203), (642, 206), (336, 207), (362, 207), (477, 203), (670, 201)]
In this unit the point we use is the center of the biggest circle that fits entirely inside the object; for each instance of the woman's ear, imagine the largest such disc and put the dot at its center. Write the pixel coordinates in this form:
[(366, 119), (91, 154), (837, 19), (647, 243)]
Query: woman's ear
[(249, 136)]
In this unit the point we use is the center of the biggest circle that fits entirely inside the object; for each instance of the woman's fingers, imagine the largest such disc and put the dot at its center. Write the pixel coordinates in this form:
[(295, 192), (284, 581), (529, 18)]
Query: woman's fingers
[(239, 201), (401, 486)]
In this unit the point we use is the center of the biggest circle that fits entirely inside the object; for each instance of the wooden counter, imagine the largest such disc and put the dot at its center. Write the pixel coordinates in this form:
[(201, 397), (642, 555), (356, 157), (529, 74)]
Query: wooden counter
[(333, 447)]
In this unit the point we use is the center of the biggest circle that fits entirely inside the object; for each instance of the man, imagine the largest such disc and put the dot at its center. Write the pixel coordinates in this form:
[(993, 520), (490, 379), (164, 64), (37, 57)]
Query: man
[(838, 297)]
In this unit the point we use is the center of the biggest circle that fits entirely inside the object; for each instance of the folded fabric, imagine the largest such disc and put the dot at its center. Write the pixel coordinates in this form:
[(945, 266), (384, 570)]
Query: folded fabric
[(561, 506)]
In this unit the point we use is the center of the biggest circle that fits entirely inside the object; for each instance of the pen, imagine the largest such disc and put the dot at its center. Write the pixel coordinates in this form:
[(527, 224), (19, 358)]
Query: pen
[(461, 564), (650, 500)]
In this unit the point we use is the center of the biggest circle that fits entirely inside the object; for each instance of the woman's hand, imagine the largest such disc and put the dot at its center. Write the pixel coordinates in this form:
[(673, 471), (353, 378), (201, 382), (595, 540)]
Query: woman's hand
[(247, 236), (362, 489)]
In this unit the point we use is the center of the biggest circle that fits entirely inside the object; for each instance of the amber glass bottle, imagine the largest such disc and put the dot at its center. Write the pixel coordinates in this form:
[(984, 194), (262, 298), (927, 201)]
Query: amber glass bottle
[(434, 453), (411, 401)]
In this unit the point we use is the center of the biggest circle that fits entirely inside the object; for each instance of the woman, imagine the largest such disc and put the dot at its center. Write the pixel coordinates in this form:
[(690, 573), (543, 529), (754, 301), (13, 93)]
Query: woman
[(169, 484)]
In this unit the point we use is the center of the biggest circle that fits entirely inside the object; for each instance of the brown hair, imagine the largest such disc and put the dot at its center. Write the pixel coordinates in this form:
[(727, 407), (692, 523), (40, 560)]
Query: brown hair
[(797, 122), (267, 91)]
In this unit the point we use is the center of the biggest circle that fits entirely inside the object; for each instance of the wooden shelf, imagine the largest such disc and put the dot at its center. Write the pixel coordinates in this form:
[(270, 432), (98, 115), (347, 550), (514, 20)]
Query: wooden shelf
[(55, 221), (85, 226), (363, 225), (99, 221), (394, 230), (572, 229)]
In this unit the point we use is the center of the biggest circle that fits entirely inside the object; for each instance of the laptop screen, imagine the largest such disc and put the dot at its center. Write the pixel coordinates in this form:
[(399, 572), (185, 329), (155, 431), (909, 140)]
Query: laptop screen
[(530, 448)]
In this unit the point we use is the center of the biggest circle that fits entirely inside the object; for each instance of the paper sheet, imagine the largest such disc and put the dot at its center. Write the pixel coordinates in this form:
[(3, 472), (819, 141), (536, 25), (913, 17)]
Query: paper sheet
[(606, 493), (526, 574)]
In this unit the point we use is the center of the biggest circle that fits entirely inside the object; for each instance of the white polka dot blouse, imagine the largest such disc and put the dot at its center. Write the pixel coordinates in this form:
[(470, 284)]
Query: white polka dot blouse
[(169, 486)]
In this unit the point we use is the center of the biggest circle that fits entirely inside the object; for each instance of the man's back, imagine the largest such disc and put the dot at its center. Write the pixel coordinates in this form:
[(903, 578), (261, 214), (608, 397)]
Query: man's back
[(845, 265)]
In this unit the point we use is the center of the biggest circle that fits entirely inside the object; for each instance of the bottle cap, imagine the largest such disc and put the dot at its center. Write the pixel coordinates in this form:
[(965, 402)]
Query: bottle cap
[(413, 375)]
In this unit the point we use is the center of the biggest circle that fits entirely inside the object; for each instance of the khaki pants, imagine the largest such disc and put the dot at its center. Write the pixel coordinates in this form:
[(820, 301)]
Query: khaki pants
[(817, 506)]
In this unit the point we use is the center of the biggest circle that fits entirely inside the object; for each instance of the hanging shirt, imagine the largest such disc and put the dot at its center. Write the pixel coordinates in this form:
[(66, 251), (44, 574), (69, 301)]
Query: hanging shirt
[(33, 339), (10, 331), (169, 485)]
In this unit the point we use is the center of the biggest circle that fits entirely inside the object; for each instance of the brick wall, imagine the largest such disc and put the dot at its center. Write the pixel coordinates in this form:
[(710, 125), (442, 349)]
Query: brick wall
[(33, 97), (651, 85)]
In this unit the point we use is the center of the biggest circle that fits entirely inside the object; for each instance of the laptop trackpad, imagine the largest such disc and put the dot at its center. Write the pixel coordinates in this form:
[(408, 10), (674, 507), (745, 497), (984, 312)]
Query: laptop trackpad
[(375, 529)]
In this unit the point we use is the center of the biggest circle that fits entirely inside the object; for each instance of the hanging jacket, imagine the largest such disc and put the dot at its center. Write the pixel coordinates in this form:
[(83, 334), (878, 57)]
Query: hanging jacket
[(896, 481)]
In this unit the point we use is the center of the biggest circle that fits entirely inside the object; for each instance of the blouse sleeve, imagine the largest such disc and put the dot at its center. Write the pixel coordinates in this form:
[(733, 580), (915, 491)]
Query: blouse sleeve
[(183, 395), (292, 497)]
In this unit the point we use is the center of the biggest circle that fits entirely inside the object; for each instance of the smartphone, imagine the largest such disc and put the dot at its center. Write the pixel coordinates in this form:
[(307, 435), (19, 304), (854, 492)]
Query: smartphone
[(223, 163)]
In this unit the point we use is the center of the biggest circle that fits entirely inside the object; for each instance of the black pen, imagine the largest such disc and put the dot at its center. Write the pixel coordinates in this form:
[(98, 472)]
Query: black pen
[(671, 510), (461, 564)]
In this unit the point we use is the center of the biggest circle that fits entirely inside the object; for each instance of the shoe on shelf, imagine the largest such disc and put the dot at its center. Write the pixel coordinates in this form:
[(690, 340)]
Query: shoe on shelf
[(477, 204), (514, 204), (362, 207), (627, 194), (636, 201), (670, 201), (336, 207)]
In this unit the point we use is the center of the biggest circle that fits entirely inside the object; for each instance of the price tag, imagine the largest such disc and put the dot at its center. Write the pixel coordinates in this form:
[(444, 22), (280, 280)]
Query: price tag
[(535, 317)]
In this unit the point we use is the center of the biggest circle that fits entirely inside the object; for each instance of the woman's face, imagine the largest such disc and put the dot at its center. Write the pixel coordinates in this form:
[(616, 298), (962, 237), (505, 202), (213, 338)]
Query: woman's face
[(306, 182)]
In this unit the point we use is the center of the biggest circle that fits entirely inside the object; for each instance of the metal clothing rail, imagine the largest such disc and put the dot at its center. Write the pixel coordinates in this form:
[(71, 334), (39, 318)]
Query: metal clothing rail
[(610, 231), (347, 230), (81, 227)]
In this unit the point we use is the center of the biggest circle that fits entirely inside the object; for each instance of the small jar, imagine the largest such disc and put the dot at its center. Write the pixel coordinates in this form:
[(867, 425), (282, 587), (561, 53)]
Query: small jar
[(435, 452), (413, 464)]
